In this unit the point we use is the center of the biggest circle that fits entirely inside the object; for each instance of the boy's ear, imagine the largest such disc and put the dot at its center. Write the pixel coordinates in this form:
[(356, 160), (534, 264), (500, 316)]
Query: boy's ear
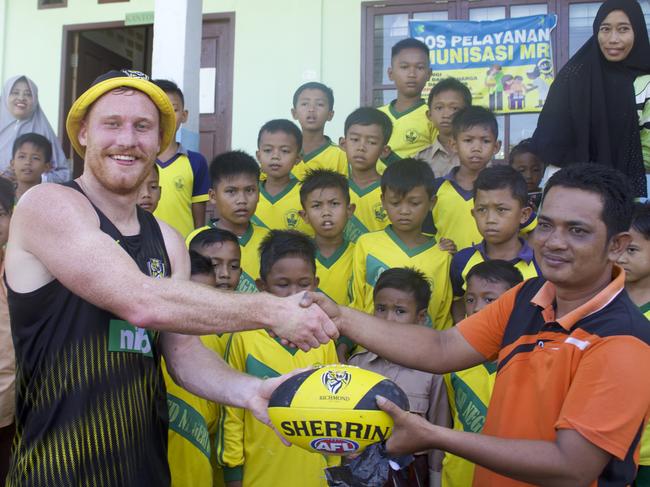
[(342, 142), (211, 194), (316, 282), (11, 162), (497, 147), (617, 245), (389, 72), (184, 116), (453, 147), (330, 115), (434, 200), (422, 317), (385, 152), (525, 214), (351, 209), (303, 215), (259, 284), (294, 114)]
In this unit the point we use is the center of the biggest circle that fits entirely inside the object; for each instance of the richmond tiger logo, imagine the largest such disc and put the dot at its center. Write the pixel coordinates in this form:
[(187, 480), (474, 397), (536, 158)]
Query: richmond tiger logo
[(335, 380)]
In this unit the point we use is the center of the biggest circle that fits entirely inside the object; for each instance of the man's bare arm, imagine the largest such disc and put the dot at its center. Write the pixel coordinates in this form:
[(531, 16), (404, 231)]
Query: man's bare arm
[(55, 234), (416, 347), (570, 461)]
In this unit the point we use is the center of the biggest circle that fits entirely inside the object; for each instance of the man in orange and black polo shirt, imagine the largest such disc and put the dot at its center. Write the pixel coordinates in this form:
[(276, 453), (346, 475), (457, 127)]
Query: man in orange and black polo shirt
[(573, 351)]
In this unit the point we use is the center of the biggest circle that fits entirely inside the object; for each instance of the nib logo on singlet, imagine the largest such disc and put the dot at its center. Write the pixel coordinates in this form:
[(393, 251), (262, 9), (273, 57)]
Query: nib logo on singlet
[(124, 337)]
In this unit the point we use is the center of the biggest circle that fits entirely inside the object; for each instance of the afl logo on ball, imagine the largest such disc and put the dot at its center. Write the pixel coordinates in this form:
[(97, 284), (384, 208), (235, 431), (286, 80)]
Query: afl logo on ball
[(334, 445), (335, 380)]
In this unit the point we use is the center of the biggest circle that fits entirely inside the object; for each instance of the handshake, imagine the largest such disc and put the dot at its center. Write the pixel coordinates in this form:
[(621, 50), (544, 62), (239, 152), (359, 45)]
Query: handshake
[(306, 320)]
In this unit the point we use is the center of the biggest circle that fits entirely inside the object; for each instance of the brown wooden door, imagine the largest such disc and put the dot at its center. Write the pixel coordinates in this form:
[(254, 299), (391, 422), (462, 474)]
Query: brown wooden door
[(92, 60), (217, 52)]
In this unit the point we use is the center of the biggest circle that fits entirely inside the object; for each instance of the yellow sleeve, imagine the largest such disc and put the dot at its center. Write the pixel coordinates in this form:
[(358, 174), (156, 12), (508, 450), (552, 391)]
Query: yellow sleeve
[(358, 294), (230, 433), (443, 318)]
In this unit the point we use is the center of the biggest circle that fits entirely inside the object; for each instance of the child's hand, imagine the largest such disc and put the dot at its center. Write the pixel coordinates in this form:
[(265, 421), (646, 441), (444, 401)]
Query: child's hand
[(448, 245)]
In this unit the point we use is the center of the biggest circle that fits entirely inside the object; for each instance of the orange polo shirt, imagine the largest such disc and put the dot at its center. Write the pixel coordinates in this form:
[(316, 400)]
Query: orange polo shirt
[(584, 371)]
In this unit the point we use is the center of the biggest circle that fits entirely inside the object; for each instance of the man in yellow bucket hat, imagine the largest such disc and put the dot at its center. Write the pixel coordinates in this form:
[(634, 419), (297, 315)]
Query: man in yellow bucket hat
[(93, 310)]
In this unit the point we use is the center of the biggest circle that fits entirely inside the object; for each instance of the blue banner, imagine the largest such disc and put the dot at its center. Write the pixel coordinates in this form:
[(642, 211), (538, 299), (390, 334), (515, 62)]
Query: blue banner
[(507, 64)]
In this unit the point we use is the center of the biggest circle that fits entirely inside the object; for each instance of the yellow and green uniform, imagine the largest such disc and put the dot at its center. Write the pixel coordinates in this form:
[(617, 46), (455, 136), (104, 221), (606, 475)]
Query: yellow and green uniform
[(452, 213), (412, 130), (249, 243), (184, 180), (469, 393), (375, 252), (280, 212), (335, 273), (192, 428), (644, 455), (465, 259), (249, 450), (327, 156), (369, 214)]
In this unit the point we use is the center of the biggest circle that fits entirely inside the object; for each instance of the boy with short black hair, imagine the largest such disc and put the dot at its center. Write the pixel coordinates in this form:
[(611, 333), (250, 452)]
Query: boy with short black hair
[(278, 148), (447, 97), (325, 199), (524, 158), (183, 174), (313, 107), (410, 70), (469, 390), (402, 295), (500, 209), (244, 445), (221, 247), (150, 191), (367, 131), (235, 192), (407, 196), (31, 157), (475, 139)]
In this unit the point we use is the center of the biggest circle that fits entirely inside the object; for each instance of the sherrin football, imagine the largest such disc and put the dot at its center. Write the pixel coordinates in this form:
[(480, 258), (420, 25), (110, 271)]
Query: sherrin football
[(332, 409)]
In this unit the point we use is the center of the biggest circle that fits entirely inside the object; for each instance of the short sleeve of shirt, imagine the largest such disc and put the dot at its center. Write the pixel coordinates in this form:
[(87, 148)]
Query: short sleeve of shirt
[(484, 330), (201, 177), (607, 400), (458, 263)]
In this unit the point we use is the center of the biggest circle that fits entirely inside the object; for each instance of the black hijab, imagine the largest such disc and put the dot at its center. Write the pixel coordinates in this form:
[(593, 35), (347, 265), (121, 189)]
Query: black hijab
[(590, 114)]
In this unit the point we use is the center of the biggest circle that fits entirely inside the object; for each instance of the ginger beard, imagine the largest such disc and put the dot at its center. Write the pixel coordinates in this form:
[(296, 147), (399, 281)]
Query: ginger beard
[(121, 134)]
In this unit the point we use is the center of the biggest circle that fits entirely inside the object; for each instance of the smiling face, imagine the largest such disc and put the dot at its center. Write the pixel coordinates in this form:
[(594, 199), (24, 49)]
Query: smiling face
[(327, 211), (121, 134), (20, 101), (278, 152), (616, 36), (288, 276), (570, 242)]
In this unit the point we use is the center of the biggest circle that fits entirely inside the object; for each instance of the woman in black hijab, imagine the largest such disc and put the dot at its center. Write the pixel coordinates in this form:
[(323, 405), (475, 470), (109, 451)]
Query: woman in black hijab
[(590, 114)]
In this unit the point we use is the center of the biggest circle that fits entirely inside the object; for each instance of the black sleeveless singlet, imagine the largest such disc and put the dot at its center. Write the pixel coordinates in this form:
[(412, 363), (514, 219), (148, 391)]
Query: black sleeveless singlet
[(90, 397)]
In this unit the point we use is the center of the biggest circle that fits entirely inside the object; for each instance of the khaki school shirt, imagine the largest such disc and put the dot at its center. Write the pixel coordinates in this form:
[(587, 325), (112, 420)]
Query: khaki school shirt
[(440, 159)]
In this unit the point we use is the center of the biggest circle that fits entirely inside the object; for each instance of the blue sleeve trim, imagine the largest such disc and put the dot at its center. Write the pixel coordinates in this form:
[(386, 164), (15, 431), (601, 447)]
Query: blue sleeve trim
[(201, 185), (458, 263)]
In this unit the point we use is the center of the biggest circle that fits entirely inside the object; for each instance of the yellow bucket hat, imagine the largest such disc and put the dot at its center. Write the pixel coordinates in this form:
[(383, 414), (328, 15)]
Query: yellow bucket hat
[(117, 79)]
